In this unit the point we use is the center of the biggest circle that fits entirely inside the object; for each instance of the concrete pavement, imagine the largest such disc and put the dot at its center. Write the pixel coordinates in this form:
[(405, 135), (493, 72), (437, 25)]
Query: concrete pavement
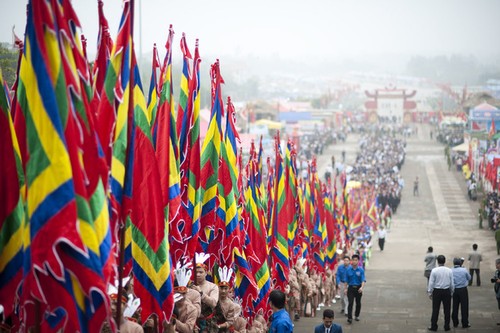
[(395, 298)]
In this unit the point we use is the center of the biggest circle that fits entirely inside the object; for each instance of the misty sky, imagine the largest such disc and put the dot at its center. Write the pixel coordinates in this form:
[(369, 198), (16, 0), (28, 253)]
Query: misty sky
[(292, 28)]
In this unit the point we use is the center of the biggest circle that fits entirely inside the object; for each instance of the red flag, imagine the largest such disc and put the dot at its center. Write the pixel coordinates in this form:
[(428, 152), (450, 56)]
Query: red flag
[(493, 130), (475, 126)]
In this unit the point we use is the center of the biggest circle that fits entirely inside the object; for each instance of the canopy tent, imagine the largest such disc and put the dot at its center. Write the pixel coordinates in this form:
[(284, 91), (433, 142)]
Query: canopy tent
[(352, 184), (269, 123), (463, 147), (484, 112), (452, 121)]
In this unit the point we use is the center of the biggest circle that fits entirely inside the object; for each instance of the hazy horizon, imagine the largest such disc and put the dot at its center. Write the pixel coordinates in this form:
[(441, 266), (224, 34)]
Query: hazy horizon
[(330, 30)]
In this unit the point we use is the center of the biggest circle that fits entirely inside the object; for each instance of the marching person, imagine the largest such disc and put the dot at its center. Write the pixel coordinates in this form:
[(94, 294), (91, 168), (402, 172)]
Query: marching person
[(209, 292), (280, 320), (126, 325), (381, 233), (328, 325), (226, 311), (430, 262), (186, 320), (354, 287), (341, 281)]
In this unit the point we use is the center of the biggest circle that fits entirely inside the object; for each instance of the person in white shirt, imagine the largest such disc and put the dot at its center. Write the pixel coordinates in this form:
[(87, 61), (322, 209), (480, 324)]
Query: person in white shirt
[(381, 233), (440, 290)]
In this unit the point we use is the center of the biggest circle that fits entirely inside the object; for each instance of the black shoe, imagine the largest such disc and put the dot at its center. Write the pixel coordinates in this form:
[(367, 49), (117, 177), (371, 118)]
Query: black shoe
[(349, 321), (342, 311), (432, 329), (447, 329), (466, 326), (357, 318)]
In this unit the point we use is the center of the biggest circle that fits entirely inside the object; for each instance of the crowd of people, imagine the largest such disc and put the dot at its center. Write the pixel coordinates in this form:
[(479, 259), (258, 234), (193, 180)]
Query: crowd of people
[(378, 164), (203, 306), (448, 286), (451, 136)]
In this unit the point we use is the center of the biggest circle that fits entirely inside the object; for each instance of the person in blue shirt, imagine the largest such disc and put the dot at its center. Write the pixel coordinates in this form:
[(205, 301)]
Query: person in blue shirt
[(328, 325), (460, 296), (355, 281), (341, 280), (280, 320)]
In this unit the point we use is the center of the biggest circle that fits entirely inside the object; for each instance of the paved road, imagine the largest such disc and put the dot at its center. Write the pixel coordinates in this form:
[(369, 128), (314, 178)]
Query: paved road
[(395, 298)]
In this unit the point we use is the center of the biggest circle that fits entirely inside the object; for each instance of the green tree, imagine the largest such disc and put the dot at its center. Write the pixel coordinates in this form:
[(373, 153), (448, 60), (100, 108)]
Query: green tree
[(8, 63)]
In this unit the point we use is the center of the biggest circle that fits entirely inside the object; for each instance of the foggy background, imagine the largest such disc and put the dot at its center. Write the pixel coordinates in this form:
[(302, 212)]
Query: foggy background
[(452, 41)]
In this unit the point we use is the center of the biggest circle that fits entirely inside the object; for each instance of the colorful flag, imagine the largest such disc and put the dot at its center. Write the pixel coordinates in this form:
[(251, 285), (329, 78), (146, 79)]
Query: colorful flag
[(210, 154), (114, 122), (11, 208), (148, 227), (257, 234), (330, 224), (153, 94), (193, 202), (492, 130), (62, 236), (227, 210), (282, 216), (289, 163), (182, 114), (245, 286), (104, 48), (165, 138)]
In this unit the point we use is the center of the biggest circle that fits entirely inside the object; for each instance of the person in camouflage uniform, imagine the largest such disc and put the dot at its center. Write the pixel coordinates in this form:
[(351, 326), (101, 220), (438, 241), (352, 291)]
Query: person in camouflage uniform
[(259, 325), (209, 294), (329, 288), (303, 280), (294, 295), (226, 310)]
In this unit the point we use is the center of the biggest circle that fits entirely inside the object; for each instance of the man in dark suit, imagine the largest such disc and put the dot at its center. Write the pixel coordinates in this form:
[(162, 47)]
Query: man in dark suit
[(328, 325)]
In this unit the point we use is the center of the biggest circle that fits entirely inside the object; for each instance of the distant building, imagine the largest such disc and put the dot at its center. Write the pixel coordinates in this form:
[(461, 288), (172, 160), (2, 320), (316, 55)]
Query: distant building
[(390, 103)]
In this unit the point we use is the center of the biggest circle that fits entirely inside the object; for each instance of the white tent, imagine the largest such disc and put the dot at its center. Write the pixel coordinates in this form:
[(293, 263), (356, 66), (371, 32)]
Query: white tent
[(463, 147)]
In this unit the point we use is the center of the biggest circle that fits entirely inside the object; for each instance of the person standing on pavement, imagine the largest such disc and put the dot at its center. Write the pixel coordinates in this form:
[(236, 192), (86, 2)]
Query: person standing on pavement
[(381, 233), (280, 320), (328, 325), (354, 287), (496, 281), (430, 262), (415, 187), (440, 290), (461, 278), (341, 280), (497, 239), (475, 259)]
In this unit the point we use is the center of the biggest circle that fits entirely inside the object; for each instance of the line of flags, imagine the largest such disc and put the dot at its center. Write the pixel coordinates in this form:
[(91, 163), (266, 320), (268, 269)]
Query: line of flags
[(103, 182)]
